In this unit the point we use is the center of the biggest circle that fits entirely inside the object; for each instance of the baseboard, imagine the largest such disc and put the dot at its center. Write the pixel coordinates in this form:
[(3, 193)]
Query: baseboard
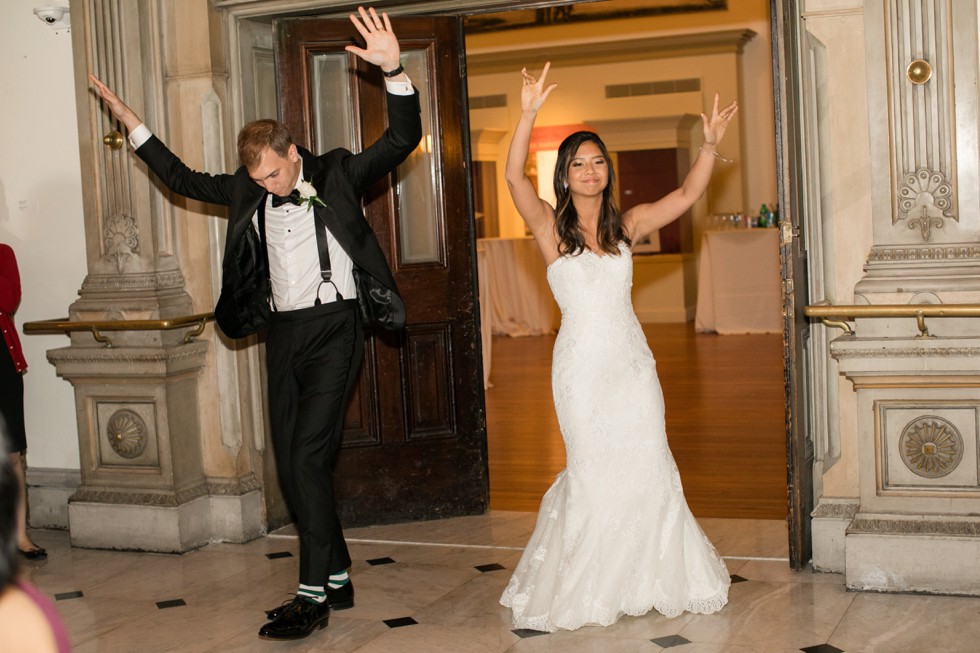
[(829, 523), (48, 491)]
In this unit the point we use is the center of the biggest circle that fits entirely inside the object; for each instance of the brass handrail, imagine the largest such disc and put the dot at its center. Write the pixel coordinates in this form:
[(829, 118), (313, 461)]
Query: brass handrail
[(825, 311), (66, 326)]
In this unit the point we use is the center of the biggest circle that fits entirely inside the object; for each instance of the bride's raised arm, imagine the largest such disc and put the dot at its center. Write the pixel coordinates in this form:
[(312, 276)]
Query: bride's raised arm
[(537, 214), (643, 219)]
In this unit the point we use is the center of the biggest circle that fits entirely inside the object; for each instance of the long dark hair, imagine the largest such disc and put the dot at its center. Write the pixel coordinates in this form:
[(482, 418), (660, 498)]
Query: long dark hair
[(610, 231), (9, 493)]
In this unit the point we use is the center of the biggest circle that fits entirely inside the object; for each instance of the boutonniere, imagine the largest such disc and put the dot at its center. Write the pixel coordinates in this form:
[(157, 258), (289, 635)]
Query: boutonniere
[(308, 196)]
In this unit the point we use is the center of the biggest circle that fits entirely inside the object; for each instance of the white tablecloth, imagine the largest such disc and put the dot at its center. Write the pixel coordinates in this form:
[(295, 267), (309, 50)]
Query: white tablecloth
[(515, 299), (520, 300), (739, 282)]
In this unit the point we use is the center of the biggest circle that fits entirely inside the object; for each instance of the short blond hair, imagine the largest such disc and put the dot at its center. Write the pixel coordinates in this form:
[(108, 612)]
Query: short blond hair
[(258, 135)]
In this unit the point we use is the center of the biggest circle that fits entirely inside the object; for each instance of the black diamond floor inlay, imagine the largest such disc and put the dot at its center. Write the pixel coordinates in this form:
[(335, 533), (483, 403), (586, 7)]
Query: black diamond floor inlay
[(399, 622), (670, 641), (279, 554), (821, 648), (524, 633), (64, 596), (738, 579), (381, 561), (170, 604), (493, 566)]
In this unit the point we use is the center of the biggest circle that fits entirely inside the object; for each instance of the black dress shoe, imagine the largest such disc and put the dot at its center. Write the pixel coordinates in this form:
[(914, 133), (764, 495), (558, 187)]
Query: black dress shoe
[(35, 554), (341, 598), (297, 620)]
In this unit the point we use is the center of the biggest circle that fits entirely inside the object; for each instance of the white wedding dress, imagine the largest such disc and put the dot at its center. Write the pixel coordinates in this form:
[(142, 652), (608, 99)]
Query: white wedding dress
[(614, 534)]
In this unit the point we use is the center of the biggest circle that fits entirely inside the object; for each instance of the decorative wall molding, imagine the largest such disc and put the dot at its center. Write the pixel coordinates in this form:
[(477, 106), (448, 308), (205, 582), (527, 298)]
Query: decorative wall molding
[(921, 58), (835, 510), (906, 352), (931, 253), (233, 487), (127, 434), (138, 498), (925, 201), (121, 240), (931, 447), (117, 205), (109, 356), (871, 526), (922, 114), (587, 12), (134, 281), (730, 41)]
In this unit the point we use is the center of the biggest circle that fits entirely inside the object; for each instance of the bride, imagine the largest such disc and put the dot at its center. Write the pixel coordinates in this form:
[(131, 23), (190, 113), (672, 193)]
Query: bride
[(614, 534)]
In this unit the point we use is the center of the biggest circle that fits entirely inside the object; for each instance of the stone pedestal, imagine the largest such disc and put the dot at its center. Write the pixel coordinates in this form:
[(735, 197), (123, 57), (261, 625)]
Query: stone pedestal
[(916, 527), (169, 451), (143, 484)]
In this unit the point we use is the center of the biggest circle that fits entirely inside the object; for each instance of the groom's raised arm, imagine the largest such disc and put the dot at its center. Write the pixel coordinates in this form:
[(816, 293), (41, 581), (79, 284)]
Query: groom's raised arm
[(165, 164), (119, 109), (404, 131)]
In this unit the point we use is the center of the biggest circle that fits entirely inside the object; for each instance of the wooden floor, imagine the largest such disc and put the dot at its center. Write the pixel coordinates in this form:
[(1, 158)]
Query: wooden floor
[(725, 421)]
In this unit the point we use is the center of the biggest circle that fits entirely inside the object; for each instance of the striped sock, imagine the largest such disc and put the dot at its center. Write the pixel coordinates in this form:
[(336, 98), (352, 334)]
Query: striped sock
[(312, 593), (338, 580)]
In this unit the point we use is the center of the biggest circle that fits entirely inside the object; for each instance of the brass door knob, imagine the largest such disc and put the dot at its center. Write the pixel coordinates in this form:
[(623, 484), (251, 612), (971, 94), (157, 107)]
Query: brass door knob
[(919, 71), (114, 140)]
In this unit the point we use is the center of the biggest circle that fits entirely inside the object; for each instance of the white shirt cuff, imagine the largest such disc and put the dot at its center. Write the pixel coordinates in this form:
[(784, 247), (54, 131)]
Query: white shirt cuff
[(400, 88), (139, 136)]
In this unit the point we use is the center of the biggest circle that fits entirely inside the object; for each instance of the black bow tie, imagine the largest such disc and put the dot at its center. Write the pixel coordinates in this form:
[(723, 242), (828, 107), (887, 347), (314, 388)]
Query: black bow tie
[(292, 198)]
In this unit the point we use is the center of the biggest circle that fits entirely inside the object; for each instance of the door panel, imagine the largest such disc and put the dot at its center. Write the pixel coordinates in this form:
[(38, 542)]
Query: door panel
[(415, 431), (428, 364), (793, 257)]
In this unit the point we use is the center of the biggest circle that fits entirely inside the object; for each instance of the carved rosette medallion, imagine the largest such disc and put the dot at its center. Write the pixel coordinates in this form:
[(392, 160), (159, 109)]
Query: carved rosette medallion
[(931, 447), (924, 201), (127, 433), (122, 239)]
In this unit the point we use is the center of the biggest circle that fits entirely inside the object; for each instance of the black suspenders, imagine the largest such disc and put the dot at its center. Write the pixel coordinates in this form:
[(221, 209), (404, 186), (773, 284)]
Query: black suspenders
[(325, 272), (321, 244)]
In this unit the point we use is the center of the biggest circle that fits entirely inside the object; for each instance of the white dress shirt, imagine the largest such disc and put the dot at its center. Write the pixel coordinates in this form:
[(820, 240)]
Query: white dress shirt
[(294, 259)]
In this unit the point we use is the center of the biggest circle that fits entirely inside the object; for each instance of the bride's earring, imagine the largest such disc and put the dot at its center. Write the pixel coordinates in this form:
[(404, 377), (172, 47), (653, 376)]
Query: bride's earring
[(566, 185)]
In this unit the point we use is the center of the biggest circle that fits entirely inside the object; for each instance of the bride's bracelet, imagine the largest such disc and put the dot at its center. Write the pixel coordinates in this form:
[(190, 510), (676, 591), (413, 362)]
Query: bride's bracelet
[(716, 155)]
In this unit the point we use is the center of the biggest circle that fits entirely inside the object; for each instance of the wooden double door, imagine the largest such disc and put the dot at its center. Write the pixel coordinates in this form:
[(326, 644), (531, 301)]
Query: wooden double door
[(414, 442)]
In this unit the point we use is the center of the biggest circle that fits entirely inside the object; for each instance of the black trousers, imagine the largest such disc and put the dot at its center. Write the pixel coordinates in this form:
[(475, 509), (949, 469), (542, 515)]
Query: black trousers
[(312, 358), (11, 403)]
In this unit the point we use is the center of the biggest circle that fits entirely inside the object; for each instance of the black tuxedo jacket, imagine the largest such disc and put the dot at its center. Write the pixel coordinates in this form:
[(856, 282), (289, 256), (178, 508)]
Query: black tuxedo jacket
[(340, 178)]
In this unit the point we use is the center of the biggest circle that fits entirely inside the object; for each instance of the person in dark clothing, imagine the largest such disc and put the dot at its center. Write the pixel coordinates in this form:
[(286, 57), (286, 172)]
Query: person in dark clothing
[(323, 264)]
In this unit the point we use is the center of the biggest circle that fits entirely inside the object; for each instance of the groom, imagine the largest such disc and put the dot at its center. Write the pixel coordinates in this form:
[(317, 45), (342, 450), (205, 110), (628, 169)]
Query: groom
[(298, 240)]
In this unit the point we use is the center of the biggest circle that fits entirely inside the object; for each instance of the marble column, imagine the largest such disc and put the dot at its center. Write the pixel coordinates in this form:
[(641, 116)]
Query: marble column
[(167, 446), (915, 526)]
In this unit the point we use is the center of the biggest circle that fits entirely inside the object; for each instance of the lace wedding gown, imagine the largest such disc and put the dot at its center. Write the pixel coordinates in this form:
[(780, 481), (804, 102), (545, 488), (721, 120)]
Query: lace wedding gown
[(614, 534)]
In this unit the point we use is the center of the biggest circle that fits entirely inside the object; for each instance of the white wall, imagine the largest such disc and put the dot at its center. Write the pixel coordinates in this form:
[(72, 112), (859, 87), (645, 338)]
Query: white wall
[(41, 212)]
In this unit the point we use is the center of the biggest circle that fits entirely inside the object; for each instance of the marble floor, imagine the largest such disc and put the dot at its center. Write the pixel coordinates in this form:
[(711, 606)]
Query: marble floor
[(433, 586)]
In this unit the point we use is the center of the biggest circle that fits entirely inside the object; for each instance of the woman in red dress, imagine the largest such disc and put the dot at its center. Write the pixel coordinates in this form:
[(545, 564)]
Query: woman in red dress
[(12, 366)]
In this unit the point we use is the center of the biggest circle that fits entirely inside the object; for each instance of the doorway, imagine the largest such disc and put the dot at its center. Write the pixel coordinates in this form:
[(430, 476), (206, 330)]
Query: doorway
[(725, 405), (743, 27)]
